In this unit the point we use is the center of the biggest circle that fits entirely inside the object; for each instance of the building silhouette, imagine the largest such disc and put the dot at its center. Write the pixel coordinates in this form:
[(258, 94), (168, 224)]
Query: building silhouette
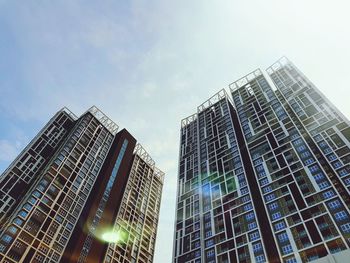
[(264, 174), (80, 192)]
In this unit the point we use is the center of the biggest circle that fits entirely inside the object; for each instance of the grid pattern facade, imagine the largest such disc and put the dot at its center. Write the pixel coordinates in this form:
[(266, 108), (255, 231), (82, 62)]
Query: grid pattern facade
[(216, 221), (51, 188), (30, 163), (290, 173), (137, 218), (101, 206), (41, 226), (325, 124), (291, 166)]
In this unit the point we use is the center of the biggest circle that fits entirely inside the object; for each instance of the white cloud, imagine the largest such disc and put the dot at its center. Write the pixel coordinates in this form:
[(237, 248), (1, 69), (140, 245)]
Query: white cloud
[(148, 64), (148, 90), (8, 150)]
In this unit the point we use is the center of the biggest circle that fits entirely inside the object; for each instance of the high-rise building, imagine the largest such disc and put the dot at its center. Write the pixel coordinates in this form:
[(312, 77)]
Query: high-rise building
[(80, 192), (264, 177)]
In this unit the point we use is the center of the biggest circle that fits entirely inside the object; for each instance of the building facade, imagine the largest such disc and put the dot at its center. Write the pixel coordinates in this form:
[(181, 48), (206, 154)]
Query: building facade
[(264, 174), (80, 192)]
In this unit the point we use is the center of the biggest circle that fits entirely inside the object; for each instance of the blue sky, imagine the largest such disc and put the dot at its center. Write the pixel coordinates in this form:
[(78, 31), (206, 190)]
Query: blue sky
[(148, 64)]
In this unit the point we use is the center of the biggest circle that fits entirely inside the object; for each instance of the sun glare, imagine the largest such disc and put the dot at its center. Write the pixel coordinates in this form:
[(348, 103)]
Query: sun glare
[(111, 237)]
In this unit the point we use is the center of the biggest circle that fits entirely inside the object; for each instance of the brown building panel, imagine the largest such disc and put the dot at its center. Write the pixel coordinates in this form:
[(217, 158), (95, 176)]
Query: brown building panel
[(81, 230)]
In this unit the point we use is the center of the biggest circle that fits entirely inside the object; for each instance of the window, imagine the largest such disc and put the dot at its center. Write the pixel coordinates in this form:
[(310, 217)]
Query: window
[(347, 181), (337, 164), (256, 155), (267, 189), (295, 135), (341, 215), (301, 148), (244, 190), (283, 237), (318, 176), (323, 185), (44, 182), (37, 194), (69, 226), (291, 260), (249, 216), (32, 200), (280, 225), (328, 194), (12, 230), (258, 161), (322, 144), (345, 228), (245, 198), (264, 182), (305, 154), (59, 218), (257, 247), (251, 225), (261, 174), (260, 168), (343, 172), (38, 257), (334, 204), (314, 168), (247, 207), (208, 234), (332, 157), (46, 200), (2, 248), (270, 197), (318, 137), (18, 221), (6, 238), (273, 206), (287, 249), (276, 215), (28, 206), (327, 150), (23, 214), (254, 236), (41, 188), (210, 253), (260, 258), (309, 161), (208, 243)]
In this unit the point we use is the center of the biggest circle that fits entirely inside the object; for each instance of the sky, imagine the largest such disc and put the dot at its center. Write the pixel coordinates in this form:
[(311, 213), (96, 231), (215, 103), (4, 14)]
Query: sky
[(149, 63)]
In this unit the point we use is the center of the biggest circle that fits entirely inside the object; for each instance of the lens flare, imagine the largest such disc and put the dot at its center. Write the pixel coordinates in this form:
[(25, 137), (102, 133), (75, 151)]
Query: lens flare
[(112, 237)]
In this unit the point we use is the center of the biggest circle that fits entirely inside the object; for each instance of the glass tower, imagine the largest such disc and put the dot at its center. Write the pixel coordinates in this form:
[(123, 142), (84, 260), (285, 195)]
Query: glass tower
[(80, 192), (264, 177)]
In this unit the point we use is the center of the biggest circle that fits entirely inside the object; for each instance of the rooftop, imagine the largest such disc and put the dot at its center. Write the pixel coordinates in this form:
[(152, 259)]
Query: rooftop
[(104, 120), (245, 80)]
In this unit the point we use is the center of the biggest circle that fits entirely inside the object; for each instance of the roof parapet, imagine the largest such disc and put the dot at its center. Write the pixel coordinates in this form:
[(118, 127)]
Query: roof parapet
[(144, 155), (214, 99), (283, 61), (245, 80), (69, 112), (186, 121), (159, 174), (110, 125)]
